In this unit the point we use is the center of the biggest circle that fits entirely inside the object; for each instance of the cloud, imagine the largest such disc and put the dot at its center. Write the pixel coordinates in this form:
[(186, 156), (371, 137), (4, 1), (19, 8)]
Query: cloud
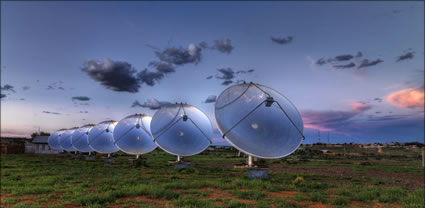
[(321, 62), (326, 120), (245, 71), (114, 75), (25, 88), (152, 104), (8, 87), (2, 96), (379, 100), (225, 73), (330, 120), (209, 77), (282, 41), (367, 63), (80, 98), (345, 66), (180, 56), (211, 99), (408, 55), (149, 78), (84, 112), (55, 86), (227, 82), (223, 45), (163, 67), (48, 112), (407, 98), (360, 107), (343, 57)]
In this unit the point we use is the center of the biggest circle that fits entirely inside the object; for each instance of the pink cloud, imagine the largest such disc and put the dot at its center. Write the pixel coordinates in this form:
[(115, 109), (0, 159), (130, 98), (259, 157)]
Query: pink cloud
[(360, 107), (407, 98)]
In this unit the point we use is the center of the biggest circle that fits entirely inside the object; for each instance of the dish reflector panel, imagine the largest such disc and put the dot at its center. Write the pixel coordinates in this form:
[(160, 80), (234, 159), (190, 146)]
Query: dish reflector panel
[(259, 121), (181, 129), (65, 140), (79, 138), (132, 135), (53, 140), (101, 137)]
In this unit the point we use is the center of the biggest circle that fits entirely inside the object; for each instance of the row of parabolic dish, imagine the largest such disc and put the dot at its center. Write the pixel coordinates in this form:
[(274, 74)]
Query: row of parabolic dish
[(255, 119)]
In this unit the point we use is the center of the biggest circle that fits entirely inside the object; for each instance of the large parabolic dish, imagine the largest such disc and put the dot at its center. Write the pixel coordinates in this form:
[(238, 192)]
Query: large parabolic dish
[(65, 140), (53, 140), (132, 135), (101, 137), (79, 138), (259, 121), (181, 129)]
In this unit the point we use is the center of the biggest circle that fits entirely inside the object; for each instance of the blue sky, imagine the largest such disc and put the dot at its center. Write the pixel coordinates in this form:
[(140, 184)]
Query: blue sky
[(49, 43)]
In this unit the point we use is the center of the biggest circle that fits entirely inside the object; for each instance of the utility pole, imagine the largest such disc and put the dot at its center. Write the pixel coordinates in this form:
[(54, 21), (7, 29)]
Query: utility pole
[(328, 138), (318, 135)]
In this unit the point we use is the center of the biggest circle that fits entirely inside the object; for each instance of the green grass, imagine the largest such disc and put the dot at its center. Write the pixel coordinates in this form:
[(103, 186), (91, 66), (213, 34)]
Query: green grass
[(211, 182)]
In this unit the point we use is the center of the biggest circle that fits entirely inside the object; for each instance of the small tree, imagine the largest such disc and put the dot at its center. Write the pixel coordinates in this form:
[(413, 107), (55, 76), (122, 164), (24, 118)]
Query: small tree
[(41, 133)]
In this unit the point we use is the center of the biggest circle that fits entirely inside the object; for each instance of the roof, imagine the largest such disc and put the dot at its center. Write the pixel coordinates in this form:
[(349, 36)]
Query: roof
[(40, 140), (11, 139)]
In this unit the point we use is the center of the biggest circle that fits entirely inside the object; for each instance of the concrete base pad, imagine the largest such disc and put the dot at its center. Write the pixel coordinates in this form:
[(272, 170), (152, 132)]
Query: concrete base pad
[(138, 162), (258, 173), (109, 160), (181, 165), (90, 157)]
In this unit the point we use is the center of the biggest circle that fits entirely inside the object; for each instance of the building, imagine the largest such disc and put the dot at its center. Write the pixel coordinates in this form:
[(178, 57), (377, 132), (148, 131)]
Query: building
[(39, 145), (12, 145)]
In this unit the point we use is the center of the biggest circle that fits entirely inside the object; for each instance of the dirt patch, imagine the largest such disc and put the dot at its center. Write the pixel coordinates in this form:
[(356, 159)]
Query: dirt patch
[(144, 200), (317, 205), (399, 179), (282, 194)]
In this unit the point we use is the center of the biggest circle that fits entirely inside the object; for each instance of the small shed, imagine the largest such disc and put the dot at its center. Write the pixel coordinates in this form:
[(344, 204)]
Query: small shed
[(39, 145)]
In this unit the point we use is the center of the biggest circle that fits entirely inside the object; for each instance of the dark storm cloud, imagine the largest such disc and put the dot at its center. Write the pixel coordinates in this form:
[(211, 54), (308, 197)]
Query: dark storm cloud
[(180, 56), (282, 41), (2, 96), (321, 62), (25, 88), (225, 73), (162, 67), (209, 77), (345, 66), (343, 57), (226, 82), (80, 98), (367, 63), (114, 75), (48, 112), (211, 99), (148, 77), (408, 55), (8, 87), (152, 104), (223, 45)]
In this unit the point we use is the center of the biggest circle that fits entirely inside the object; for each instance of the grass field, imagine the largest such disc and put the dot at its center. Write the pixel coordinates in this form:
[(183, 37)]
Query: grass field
[(305, 179)]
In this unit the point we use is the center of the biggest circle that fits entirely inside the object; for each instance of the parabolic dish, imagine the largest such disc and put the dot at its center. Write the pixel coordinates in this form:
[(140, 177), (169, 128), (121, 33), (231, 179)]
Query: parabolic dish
[(181, 129), (79, 138), (65, 140), (259, 121), (53, 140), (101, 137), (132, 135)]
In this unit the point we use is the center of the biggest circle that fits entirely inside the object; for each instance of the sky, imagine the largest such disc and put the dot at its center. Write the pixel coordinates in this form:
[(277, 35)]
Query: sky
[(354, 70)]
